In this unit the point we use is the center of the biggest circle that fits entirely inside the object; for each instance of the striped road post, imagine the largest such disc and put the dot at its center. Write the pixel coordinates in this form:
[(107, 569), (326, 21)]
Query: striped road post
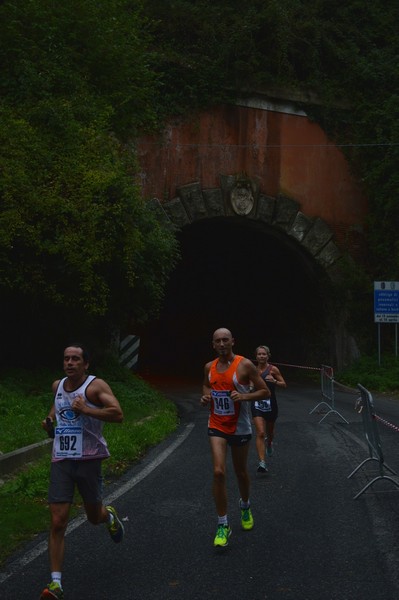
[(129, 351)]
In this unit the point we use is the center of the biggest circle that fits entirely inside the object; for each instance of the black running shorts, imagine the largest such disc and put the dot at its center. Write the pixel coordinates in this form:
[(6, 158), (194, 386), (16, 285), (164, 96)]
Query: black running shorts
[(232, 440)]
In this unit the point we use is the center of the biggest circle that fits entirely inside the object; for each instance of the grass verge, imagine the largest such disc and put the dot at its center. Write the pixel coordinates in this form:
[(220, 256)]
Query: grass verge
[(24, 402), (382, 378)]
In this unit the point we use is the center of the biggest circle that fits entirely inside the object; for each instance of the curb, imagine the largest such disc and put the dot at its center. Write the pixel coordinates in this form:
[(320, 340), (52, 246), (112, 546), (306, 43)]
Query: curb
[(18, 458)]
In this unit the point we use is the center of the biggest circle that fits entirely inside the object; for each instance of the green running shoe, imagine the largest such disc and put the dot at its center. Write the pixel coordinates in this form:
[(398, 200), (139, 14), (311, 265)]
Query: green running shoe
[(116, 529), (53, 590), (222, 536), (247, 520)]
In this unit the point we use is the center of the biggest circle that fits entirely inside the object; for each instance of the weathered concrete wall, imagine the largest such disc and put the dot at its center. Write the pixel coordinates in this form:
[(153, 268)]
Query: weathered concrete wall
[(287, 153), (14, 460)]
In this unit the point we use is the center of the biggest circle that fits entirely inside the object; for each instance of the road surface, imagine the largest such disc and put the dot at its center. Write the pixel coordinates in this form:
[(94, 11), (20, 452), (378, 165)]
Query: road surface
[(311, 540)]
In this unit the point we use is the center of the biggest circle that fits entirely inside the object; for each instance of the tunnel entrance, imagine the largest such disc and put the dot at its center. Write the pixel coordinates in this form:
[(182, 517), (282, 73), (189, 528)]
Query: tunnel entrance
[(244, 275)]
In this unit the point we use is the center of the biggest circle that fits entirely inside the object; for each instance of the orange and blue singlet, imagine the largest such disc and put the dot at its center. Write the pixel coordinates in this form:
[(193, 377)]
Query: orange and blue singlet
[(233, 418)]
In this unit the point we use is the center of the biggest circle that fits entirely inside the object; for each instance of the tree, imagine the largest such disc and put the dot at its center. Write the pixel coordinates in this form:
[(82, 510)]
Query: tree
[(78, 244)]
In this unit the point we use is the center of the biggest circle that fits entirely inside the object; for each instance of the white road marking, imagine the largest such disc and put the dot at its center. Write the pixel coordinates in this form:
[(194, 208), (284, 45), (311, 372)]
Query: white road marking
[(39, 549)]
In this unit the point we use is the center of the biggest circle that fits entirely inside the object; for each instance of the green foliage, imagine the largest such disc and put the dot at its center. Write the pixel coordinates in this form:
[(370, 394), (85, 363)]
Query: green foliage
[(31, 482), (21, 516), (94, 52), (383, 377), (351, 295), (75, 234), (209, 52), (358, 55), (73, 227), (24, 402)]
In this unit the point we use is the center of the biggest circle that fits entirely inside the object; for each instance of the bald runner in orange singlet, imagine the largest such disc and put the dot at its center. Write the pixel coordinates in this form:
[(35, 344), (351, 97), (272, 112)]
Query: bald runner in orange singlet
[(226, 391)]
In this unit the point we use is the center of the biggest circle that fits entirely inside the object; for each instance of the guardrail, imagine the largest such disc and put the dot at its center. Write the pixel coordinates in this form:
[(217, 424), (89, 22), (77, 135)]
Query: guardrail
[(365, 406), (327, 393)]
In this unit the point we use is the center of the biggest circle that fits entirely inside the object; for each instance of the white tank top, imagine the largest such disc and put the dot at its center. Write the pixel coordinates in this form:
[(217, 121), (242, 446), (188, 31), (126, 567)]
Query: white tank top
[(94, 444)]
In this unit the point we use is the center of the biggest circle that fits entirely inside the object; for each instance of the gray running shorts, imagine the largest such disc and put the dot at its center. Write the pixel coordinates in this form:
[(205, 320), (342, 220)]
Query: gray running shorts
[(84, 474)]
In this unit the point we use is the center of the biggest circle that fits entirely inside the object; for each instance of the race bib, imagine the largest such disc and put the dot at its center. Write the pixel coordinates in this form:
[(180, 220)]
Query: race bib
[(263, 405), (68, 442), (223, 405)]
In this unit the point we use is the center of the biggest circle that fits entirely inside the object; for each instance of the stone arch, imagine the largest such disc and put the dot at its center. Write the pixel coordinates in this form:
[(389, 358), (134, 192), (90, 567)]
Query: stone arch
[(193, 203), (311, 239)]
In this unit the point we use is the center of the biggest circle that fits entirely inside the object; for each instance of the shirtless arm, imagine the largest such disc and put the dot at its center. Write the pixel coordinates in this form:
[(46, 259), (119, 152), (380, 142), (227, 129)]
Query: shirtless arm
[(51, 412), (248, 373), (107, 406), (206, 388), (277, 378)]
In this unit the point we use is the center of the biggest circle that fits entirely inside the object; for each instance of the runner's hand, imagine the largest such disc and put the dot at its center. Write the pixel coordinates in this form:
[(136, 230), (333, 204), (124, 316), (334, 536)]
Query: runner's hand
[(205, 400)]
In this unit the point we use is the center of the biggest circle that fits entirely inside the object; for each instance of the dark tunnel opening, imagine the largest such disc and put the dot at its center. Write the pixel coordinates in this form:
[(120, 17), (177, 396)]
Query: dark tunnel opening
[(243, 275)]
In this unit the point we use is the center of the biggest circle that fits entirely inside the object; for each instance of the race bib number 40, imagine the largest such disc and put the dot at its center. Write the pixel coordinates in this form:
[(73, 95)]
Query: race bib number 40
[(68, 442), (222, 403)]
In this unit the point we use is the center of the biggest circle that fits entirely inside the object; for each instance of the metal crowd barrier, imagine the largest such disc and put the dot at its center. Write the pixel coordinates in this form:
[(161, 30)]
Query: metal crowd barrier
[(365, 406), (327, 393)]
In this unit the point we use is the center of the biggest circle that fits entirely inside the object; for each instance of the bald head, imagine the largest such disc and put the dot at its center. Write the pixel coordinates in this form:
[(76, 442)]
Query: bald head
[(223, 343), (222, 332)]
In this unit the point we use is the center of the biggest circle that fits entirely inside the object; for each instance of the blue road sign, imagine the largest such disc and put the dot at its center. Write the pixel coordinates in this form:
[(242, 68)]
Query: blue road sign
[(386, 301)]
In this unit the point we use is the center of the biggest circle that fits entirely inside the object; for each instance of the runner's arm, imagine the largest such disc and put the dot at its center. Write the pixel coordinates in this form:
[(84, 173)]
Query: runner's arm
[(206, 387), (278, 378), (51, 412), (107, 406), (261, 391)]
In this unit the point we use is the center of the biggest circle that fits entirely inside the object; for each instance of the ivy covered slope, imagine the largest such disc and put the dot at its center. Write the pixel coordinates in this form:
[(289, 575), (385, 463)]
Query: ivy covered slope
[(80, 81), (79, 249)]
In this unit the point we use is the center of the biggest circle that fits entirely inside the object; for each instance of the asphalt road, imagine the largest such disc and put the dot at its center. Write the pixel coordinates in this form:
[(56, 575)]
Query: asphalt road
[(311, 540)]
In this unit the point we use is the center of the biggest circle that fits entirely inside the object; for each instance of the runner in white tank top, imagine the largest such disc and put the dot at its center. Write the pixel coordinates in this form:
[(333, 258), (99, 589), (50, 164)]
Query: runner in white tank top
[(82, 404)]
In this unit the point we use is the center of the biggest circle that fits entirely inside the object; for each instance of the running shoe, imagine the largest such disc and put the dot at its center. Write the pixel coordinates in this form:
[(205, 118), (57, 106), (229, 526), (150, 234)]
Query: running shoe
[(222, 536), (262, 467), (53, 590), (269, 450), (247, 520), (115, 528)]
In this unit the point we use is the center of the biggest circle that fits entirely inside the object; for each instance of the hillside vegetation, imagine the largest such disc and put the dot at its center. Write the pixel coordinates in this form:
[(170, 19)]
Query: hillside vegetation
[(80, 251)]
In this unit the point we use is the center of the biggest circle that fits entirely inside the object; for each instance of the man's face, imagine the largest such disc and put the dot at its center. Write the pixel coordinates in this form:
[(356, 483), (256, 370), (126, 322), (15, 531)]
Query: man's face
[(74, 363), (223, 342)]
